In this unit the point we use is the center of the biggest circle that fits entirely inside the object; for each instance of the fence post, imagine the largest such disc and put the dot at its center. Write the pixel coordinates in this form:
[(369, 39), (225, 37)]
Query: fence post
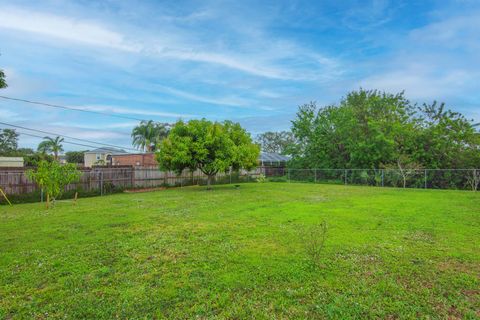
[(345, 176), (425, 177), (382, 178), (288, 173), (101, 183), (315, 172)]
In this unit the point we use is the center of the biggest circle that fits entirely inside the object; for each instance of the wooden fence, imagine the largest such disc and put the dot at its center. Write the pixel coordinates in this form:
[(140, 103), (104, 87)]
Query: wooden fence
[(14, 180)]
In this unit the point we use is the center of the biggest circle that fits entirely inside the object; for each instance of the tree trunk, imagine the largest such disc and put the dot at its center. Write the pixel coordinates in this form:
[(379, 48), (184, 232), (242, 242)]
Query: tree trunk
[(209, 182)]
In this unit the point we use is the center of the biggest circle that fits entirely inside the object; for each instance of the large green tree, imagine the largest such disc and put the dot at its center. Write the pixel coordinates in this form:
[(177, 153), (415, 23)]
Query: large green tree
[(148, 134), (8, 141), (51, 145), (372, 129), (277, 142), (211, 147)]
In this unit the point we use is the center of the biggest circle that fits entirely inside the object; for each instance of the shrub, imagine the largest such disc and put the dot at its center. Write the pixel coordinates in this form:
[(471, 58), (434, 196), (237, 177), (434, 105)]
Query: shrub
[(314, 241), (52, 177), (261, 178)]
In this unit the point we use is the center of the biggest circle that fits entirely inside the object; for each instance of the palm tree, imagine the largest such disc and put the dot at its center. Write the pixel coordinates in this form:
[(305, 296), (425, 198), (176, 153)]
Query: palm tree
[(50, 145), (148, 134)]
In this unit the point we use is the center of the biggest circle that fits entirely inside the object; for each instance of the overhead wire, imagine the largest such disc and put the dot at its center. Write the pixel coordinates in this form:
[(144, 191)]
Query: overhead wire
[(71, 108), (65, 136)]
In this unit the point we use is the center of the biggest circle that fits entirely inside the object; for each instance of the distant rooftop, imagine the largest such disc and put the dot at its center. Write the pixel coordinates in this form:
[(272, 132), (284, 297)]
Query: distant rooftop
[(271, 157), (107, 150)]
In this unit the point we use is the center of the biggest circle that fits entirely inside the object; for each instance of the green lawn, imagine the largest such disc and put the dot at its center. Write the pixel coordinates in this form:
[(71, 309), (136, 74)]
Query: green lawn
[(241, 254)]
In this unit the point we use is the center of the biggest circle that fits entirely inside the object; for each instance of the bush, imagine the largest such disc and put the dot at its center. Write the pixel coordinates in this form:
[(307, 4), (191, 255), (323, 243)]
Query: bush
[(261, 178)]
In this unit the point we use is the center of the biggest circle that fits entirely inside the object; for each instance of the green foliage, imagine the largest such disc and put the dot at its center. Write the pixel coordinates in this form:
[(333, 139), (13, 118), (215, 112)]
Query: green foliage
[(51, 145), (277, 142), (75, 156), (371, 129), (52, 177), (211, 147), (8, 141), (3, 83), (33, 159), (148, 134), (261, 178)]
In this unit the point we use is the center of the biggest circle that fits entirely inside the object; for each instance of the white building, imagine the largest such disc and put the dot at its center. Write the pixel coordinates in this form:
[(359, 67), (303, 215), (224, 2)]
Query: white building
[(14, 162)]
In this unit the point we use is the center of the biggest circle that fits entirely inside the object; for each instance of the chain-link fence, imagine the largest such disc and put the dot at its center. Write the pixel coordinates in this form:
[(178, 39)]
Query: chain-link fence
[(464, 179), (107, 180)]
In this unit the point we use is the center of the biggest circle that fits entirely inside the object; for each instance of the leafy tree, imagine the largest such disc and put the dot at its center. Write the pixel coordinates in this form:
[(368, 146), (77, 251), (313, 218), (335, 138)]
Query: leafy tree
[(50, 145), (372, 129), (148, 134), (447, 139), (3, 83), (211, 147), (52, 177), (277, 142), (75, 156), (33, 159), (8, 141)]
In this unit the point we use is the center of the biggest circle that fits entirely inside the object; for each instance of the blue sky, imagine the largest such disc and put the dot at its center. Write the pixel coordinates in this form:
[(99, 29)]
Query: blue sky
[(249, 61)]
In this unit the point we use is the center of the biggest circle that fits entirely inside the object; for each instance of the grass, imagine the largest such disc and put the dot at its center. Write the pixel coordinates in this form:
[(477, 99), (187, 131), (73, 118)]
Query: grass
[(242, 253)]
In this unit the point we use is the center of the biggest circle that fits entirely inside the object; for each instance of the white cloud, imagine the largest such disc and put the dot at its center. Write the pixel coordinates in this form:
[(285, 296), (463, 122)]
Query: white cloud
[(264, 61), (441, 62), (143, 112), (224, 101), (65, 28)]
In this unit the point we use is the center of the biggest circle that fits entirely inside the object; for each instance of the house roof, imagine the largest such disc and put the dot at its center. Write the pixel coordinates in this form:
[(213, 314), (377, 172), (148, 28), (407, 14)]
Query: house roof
[(272, 157), (106, 150)]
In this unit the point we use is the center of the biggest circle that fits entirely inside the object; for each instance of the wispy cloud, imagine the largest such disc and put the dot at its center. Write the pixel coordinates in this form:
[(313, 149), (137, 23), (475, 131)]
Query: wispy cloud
[(172, 47), (64, 28), (134, 111)]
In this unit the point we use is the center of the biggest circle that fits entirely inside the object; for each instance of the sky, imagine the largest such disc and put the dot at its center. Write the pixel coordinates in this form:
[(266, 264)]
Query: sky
[(253, 62)]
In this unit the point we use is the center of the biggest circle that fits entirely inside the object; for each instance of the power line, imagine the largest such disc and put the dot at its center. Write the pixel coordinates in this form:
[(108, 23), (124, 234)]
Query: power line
[(71, 108), (37, 136), (61, 135)]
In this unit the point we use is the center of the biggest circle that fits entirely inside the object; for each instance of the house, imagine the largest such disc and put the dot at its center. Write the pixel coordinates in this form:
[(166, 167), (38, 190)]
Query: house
[(11, 162), (135, 159), (100, 156), (273, 164), (271, 159)]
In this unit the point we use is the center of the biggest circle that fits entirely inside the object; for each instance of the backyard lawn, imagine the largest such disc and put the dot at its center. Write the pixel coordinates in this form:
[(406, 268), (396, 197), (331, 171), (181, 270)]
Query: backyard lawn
[(243, 253)]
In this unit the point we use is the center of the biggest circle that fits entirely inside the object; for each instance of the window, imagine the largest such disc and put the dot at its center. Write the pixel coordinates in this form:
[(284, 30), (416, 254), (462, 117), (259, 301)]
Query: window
[(98, 156)]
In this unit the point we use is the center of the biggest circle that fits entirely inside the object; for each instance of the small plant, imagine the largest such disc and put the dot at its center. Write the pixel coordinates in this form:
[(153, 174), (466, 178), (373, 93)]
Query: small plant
[(315, 239), (109, 187), (261, 178), (52, 177)]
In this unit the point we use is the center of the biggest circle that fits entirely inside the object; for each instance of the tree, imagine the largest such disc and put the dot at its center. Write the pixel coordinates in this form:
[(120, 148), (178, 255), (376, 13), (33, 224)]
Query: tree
[(75, 156), (3, 83), (361, 132), (148, 134), (8, 141), (52, 177), (211, 147), (50, 145), (446, 139), (371, 129), (277, 142)]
